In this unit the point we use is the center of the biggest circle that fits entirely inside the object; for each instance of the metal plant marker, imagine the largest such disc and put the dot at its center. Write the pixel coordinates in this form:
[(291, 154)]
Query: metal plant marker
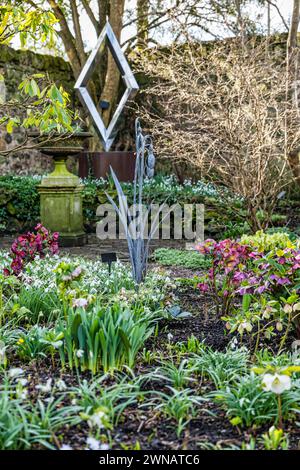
[(107, 135)]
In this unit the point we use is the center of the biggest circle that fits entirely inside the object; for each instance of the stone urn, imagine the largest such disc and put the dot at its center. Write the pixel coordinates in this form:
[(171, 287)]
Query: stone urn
[(61, 191)]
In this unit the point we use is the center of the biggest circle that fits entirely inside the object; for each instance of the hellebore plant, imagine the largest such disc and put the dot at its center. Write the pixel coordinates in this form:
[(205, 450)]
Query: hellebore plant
[(261, 316), (69, 288), (229, 269), (269, 284), (277, 381), (26, 247), (274, 272)]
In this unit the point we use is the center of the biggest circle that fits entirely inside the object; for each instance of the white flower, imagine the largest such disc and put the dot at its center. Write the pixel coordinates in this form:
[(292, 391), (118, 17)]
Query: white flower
[(276, 383), (170, 337), (45, 388), (80, 353), (12, 373), (66, 447), (104, 447), (77, 271), (97, 419), (2, 352), (245, 325), (57, 344), (22, 394), (23, 382), (80, 303), (234, 343), (92, 443), (50, 399), (61, 385)]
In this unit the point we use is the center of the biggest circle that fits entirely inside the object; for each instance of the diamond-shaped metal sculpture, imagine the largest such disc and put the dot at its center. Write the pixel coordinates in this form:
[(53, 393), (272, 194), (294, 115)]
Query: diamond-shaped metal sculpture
[(107, 135)]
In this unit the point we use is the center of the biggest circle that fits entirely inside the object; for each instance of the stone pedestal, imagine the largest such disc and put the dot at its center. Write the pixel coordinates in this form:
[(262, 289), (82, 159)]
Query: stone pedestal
[(61, 204)]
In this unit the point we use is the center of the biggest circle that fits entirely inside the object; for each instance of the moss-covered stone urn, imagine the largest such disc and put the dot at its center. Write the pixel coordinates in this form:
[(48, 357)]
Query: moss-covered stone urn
[(61, 191)]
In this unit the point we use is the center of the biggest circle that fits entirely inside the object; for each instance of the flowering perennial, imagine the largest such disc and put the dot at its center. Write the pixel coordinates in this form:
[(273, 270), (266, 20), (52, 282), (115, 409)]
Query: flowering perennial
[(29, 246)]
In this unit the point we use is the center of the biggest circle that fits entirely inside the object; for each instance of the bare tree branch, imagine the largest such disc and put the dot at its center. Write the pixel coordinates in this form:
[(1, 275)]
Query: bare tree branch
[(91, 16), (78, 35)]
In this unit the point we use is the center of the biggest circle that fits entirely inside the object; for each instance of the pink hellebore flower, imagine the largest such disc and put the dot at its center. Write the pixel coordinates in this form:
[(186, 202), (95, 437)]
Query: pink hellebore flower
[(80, 303)]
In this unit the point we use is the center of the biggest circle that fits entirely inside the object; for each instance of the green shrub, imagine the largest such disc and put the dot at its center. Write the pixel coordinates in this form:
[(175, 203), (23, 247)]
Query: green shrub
[(265, 242), (19, 203), (225, 215)]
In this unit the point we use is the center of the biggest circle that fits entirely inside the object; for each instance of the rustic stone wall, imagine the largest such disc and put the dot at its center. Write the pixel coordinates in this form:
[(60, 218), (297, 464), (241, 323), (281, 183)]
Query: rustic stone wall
[(14, 66)]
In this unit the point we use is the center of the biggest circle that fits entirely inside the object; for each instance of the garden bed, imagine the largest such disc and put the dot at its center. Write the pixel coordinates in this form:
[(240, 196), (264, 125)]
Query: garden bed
[(144, 423), (203, 355)]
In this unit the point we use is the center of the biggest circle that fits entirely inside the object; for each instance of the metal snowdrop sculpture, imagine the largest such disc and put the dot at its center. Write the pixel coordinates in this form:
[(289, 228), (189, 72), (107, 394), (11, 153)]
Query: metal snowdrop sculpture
[(135, 220)]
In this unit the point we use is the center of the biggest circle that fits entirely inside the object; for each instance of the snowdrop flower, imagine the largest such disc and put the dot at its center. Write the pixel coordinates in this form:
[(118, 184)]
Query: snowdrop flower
[(22, 394), (65, 447), (234, 343), (97, 419), (2, 352), (104, 447), (50, 399), (23, 382), (45, 388), (80, 353), (92, 443), (170, 337), (61, 385), (15, 372), (276, 383)]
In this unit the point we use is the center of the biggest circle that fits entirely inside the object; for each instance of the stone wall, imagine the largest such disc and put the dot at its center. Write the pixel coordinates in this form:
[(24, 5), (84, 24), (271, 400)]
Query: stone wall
[(14, 66)]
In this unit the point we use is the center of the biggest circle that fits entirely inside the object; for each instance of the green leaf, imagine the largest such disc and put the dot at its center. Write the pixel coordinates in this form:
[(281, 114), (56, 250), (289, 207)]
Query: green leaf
[(236, 421), (124, 339), (75, 325), (38, 75), (258, 370), (10, 126), (35, 87)]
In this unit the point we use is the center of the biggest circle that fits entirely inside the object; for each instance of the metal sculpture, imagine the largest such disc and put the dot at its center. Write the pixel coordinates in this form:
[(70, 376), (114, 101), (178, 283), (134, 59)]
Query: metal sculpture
[(107, 135), (135, 222)]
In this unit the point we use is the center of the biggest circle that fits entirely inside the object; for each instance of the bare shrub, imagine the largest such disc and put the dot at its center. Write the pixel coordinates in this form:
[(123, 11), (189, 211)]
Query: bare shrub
[(226, 110)]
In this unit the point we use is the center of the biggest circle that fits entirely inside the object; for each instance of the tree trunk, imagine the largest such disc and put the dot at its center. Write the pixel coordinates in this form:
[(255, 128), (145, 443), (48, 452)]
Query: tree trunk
[(112, 79), (67, 38), (292, 71), (292, 38)]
